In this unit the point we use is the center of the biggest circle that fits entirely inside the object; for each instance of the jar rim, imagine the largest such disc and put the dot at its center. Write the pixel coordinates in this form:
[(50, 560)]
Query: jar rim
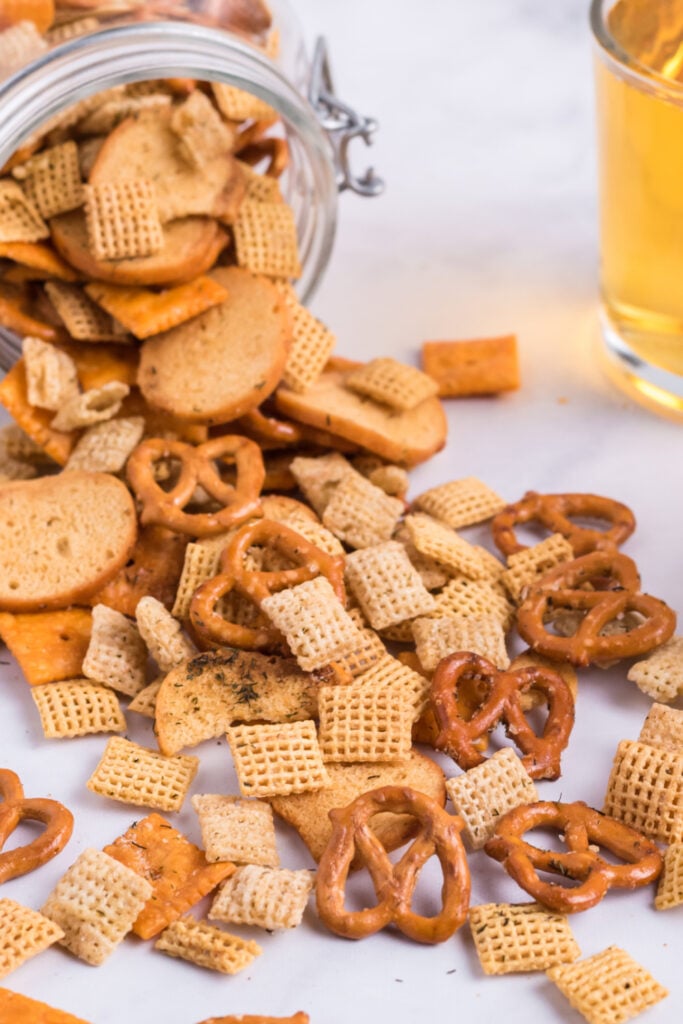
[(623, 62)]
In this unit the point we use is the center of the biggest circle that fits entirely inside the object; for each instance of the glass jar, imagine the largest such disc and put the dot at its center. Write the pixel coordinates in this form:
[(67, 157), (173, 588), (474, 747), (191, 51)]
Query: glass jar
[(229, 41)]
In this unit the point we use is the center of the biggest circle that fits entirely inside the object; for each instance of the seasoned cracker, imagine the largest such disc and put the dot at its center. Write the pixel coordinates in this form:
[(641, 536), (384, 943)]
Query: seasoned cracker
[(95, 406), (51, 375), (163, 634), (145, 702), (144, 312), (96, 903), (314, 623), (392, 383), (84, 320), (49, 646), (645, 790), (20, 221), (202, 133), (512, 937), (116, 655), (207, 946), (271, 898), (482, 794), (77, 707), (436, 638), (607, 988), (319, 477), (663, 728), (527, 567), (266, 240), (136, 775), (237, 830), (486, 366), (670, 886), (105, 447), (23, 933), (201, 563), (441, 544), (361, 514), (123, 219), (387, 587), (53, 182), (239, 105), (277, 759), (460, 502), (365, 722), (660, 675)]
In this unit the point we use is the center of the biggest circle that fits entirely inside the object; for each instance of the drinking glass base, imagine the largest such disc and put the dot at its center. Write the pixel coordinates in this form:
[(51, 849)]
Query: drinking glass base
[(653, 386)]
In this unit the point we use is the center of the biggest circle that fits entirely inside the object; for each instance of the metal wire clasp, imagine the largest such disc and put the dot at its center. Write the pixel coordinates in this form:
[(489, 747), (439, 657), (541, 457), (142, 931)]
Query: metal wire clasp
[(342, 124)]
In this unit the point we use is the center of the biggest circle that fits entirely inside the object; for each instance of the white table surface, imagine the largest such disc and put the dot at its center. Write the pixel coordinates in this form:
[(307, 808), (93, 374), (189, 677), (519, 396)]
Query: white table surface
[(487, 226)]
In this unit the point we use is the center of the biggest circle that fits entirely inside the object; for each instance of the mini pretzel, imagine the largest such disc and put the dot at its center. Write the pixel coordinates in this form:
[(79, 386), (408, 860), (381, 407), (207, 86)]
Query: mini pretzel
[(276, 151), (554, 511), (582, 828), (14, 809), (439, 835), (215, 630), (459, 735), (614, 591), (166, 508)]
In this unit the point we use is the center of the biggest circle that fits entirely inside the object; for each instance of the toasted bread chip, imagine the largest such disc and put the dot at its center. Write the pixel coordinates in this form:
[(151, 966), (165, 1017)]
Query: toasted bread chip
[(144, 312), (271, 898), (236, 830), (153, 569), (392, 383), (77, 707), (51, 377), (19, 45), (663, 728), (122, 219), (24, 933), (528, 566), (83, 319), (20, 221), (361, 514), (176, 869), (18, 1009), (96, 903), (460, 502), (273, 760), (645, 790), (202, 133), (239, 105), (53, 182), (39, 258), (607, 988), (670, 887), (201, 699), (365, 722), (513, 937), (36, 423), (116, 654), (483, 367), (94, 406), (136, 775), (105, 447), (265, 239), (441, 544), (145, 702), (436, 638), (49, 646), (387, 587), (482, 794), (660, 675), (207, 946), (308, 813), (163, 634)]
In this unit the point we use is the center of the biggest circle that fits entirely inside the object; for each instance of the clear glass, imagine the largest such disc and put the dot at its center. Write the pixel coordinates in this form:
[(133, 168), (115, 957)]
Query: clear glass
[(639, 80), (124, 51)]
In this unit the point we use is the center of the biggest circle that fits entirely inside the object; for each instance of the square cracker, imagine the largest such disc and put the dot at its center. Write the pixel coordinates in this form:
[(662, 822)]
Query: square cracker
[(392, 383), (660, 675), (23, 933), (670, 886), (96, 903), (122, 219), (207, 946), (361, 514), (386, 585), (20, 221), (513, 937), (266, 239), (645, 790), (485, 366), (136, 775), (362, 722), (176, 869), (277, 759), (77, 707), (436, 638), (607, 988), (482, 794), (116, 654), (271, 898), (663, 728), (236, 830), (49, 646), (18, 1009), (144, 312), (460, 502)]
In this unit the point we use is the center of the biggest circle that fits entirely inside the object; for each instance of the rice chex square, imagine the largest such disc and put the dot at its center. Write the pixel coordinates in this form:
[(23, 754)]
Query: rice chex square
[(670, 886), (361, 514), (266, 240), (136, 775), (271, 898), (482, 794), (386, 585), (663, 727), (460, 502), (607, 988), (116, 655), (237, 830), (77, 707), (391, 383), (207, 946), (528, 566), (660, 675), (362, 722), (23, 933), (20, 221), (645, 790), (122, 219)]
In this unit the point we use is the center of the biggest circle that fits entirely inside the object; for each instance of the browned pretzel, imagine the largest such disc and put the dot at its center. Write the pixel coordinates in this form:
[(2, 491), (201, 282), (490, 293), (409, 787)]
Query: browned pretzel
[(214, 629), (582, 829), (394, 884), (459, 735), (15, 808), (605, 586), (240, 500), (555, 511)]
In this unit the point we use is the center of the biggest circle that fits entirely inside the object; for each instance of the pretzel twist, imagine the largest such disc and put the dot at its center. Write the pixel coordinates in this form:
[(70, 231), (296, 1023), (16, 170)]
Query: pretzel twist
[(582, 828), (613, 592), (555, 511), (240, 500), (438, 835), (459, 736), (14, 809)]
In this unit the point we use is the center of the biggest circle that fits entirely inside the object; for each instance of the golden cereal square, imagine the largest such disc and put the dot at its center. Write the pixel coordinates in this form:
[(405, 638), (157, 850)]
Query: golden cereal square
[(463, 598), (271, 898), (260, 187), (512, 937), (207, 946), (201, 563), (369, 651), (265, 239), (20, 221), (23, 933), (54, 180), (392, 383), (122, 219), (82, 318), (460, 502), (670, 887), (660, 675), (239, 105), (645, 790), (116, 655), (482, 794), (386, 585), (527, 567), (435, 639), (362, 722), (389, 672), (443, 545), (136, 775), (237, 830), (77, 707), (312, 345), (274, 760), (608, 988), (663, 727), (361, 514)]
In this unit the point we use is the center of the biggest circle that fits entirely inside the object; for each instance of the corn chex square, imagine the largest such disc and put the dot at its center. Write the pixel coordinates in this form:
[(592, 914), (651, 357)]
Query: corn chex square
[(389, 673), (136, 775), (386, 585), (237, 830), (528, 566), (645, 790), (314, 622), (360, 722), (482, 794), (145, 702), (20, 221), (116, 655), (53, 183), (162, 634), (460, 502), (663, 728), (361, 514), (51, 375), (660, 675), (608, 988), (438, 542), (265, 239), (316, 533), (370, 650), (670, 885), (312, 341), (513, 937), (23, 933), (207, 946), (463, 598), (201, 563), (105, 447), (122, 219), (273, 760), (82, 318), (435, 639), (395, 384), (272, 898), (319, 477), (96, 903), (260, 187), (77, 708), (239, 105)]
